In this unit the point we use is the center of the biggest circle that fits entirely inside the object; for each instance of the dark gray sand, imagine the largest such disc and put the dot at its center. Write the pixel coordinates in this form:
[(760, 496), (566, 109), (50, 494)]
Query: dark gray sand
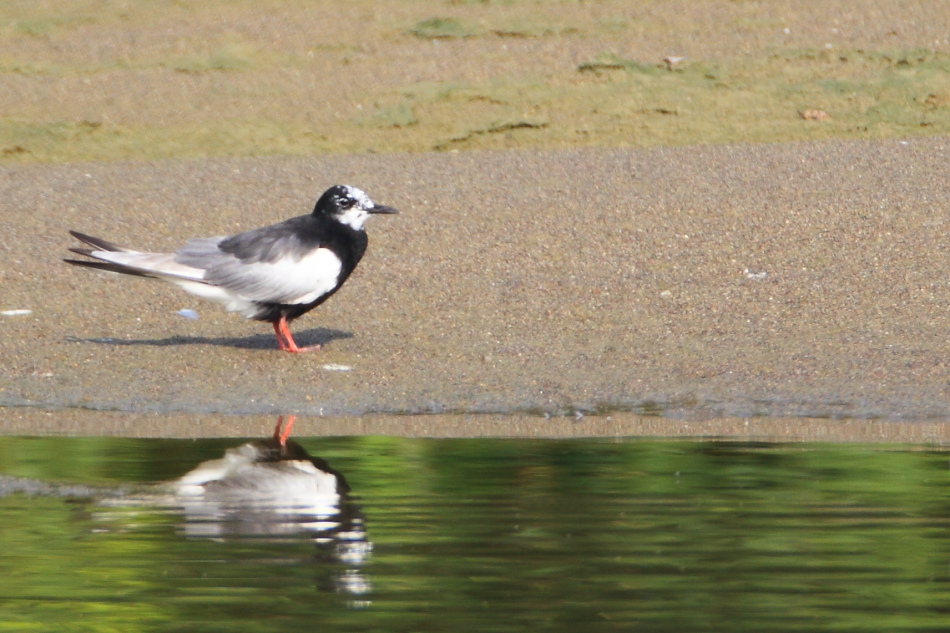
[(702, 285)]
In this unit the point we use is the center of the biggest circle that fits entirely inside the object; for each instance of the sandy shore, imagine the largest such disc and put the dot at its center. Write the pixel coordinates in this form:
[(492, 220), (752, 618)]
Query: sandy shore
[(694, 284), (83, 422)]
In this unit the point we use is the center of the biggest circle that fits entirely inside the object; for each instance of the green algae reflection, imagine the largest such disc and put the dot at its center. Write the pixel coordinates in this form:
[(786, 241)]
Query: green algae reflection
[(501, 535)]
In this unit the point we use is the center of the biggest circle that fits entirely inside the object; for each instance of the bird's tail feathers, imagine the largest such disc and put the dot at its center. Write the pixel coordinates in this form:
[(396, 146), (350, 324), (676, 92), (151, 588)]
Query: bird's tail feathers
[(112, 258), (106, 266), (99, 243)]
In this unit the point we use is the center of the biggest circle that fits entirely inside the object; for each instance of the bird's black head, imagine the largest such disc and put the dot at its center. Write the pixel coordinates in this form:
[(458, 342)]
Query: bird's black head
[(348, 205)]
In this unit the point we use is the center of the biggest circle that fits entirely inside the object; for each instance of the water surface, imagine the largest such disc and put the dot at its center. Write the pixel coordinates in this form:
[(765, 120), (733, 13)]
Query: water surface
[(486, 535)]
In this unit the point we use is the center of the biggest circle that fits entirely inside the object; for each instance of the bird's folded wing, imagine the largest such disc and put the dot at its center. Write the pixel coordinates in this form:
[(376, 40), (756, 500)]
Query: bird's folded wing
[(290, 279)]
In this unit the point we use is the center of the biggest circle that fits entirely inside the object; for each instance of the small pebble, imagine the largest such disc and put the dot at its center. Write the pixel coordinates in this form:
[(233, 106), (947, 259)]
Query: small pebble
[(188, 314), (16, 312), (334, 367)]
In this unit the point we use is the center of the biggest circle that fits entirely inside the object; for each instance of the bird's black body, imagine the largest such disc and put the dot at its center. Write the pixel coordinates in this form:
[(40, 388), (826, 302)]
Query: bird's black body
[(275, 273)]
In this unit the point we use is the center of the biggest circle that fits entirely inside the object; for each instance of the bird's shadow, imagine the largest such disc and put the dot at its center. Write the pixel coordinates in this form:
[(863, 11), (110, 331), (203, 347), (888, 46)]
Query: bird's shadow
[(305, 338)]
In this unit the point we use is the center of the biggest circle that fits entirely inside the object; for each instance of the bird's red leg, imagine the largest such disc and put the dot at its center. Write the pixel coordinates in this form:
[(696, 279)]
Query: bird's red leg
[(280, 437), (280, 339), (282, 329)]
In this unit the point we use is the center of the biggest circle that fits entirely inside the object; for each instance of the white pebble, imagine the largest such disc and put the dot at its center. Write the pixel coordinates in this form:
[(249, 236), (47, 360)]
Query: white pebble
[(188, 314), (16, 312), (334, 367)]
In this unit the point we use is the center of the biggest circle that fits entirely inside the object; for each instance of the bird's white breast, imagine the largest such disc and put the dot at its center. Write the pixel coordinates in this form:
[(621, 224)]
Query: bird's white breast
[(319, 271)]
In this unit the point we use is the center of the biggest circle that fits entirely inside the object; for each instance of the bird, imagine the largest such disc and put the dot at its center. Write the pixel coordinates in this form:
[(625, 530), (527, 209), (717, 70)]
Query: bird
[(275, 274)]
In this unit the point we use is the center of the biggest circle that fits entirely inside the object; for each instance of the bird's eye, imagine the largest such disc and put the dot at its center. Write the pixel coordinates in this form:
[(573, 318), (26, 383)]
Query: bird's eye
[(346, 203)]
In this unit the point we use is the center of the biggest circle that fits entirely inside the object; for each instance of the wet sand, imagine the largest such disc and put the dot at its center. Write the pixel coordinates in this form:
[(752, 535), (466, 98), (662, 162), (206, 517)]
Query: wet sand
[(705, 287), (83, 422)]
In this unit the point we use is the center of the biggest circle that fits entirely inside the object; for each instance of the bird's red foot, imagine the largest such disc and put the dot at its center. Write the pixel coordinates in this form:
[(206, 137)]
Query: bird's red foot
[(285, 339), (303, 350)]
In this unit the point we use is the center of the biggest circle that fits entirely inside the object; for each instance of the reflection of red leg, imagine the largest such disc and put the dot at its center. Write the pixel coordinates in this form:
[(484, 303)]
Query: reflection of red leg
[(286, 340), (281, 437)]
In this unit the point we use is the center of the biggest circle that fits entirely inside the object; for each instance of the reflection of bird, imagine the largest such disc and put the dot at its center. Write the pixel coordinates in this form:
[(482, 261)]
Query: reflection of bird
[(275, 274), (273, 487), (272, 473)]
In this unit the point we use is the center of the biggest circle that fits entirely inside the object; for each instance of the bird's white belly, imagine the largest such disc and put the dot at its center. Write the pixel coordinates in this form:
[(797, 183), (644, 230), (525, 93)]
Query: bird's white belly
[(231, 301)]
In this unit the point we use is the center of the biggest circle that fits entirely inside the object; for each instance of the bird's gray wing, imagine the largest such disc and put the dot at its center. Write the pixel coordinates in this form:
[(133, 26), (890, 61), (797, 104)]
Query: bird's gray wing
[(298, 276)]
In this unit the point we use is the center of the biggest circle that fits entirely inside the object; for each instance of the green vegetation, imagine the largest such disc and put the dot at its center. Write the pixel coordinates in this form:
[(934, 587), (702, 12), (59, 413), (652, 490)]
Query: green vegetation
[(441, 28), (132, 80)]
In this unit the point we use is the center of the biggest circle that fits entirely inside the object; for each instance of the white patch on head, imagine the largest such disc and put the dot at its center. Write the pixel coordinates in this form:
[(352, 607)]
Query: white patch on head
[(360, 196), (356, 215)]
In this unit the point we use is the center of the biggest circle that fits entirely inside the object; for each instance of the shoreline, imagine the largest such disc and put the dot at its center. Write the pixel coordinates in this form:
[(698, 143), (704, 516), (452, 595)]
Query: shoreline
[(24, 421), (790, 281)]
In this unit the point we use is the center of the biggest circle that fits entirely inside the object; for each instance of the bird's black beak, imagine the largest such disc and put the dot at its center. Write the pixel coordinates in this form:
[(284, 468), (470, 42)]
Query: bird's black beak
[(382, 209)]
